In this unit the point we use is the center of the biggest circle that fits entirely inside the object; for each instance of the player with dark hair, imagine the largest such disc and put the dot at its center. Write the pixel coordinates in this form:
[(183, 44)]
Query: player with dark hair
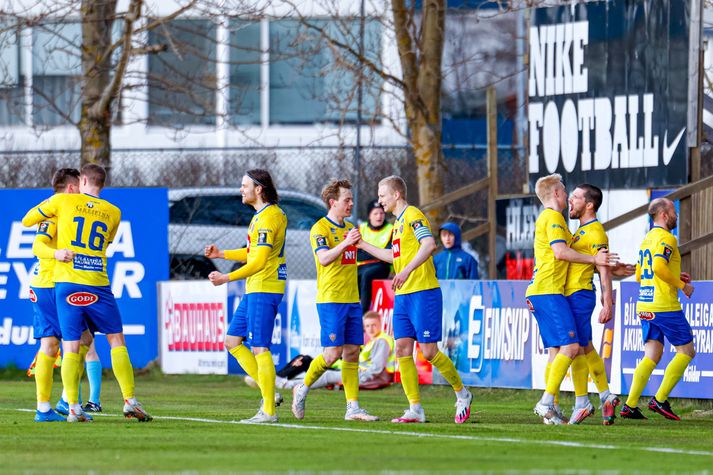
[(579, 290), (86, 226), (42, 294), (334, 241), (265, 273)]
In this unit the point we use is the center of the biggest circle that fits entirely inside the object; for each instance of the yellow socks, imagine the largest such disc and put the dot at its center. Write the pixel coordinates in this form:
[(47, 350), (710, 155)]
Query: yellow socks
[(409, 379), (246, 360), (580, 372), (595, 363), (44, 373), (70, 369), (557, 373), (638, 382), (446, 367), (123, 371), (350, 380), (316, 369), (548, 368), (266, 380), (672, 375)]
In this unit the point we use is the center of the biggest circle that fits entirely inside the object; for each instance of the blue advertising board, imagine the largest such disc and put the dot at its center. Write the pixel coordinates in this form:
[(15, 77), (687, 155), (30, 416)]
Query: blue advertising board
[(487, 331), (697, 381), (138, 259)]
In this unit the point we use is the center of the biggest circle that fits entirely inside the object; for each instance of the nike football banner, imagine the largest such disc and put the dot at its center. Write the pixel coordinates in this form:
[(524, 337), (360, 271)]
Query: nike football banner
[(608, 93)]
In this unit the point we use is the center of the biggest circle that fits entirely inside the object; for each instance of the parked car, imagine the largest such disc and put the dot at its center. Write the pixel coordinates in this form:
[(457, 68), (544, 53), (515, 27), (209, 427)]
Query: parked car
[(202, 216)]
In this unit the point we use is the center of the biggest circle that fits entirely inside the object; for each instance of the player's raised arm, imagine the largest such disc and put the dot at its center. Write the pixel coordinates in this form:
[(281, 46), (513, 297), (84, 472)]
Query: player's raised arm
[(39, 213), (385, 255), (564, 253), (213, 252)]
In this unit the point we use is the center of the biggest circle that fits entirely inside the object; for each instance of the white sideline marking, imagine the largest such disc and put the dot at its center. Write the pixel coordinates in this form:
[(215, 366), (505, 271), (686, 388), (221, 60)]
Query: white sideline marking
[(559, 443)]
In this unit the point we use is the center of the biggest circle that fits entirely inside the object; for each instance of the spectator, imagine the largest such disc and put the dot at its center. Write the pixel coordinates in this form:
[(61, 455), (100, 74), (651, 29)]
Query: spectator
[(375, 231), (453, 262)]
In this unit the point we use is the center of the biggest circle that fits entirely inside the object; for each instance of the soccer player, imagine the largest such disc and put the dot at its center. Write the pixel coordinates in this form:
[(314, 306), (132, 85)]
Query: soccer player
[(418, 304), (334, 241), (45, 320), (86, 225), (658, 307), (545, 294), (590, 237), (265, 273)]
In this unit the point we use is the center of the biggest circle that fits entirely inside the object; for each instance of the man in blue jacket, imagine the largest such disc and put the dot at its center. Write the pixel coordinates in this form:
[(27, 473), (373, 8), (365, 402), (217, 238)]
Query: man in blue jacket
[(453, 262)]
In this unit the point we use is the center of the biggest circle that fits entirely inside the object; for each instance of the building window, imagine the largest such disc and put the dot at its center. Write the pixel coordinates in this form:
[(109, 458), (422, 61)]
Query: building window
[(244, 60), (56, 71), (308, 80), (182, 80), (12, 103)]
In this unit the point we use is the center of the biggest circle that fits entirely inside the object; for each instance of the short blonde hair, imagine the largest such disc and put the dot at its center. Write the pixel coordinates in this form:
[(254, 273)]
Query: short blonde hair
[(371, 315), (546, 185), (395, 183)]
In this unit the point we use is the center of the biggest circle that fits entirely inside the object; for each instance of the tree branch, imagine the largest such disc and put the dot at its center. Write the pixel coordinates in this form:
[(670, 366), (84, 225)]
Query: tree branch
[(103, 105)]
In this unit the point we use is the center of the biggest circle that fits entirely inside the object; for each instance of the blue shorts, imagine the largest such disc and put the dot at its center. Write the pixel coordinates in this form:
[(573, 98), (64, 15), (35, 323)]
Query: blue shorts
[(81, 306), (582, 304), (555, 319), (419, 315), (45, 322), (341, 324), (254, 318), (672, 325)]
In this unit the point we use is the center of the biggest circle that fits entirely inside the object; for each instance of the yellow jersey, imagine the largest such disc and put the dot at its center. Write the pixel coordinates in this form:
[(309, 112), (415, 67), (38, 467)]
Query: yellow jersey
[(43, 275), (409, 228), (86, 225), (655, 295), (268, 228), (337, 282), (550, 274), (588, 239)]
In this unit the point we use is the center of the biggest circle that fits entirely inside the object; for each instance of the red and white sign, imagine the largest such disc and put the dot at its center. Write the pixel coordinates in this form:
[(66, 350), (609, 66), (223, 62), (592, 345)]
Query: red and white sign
[(193, 322)]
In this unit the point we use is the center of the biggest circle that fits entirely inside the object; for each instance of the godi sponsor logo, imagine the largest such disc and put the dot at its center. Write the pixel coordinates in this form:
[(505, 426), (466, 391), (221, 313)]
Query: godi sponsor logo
[(81, 299), (33, 296)]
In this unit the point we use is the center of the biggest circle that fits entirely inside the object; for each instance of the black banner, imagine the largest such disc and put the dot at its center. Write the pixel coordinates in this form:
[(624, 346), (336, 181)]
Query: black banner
[(608, 93)]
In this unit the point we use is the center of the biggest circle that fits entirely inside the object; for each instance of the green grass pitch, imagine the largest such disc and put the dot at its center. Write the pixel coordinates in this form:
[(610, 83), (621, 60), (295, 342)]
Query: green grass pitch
[(194, 432)]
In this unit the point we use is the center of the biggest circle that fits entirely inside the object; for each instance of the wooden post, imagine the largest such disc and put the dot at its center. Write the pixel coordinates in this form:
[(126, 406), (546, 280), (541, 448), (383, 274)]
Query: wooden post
[(492, 111)]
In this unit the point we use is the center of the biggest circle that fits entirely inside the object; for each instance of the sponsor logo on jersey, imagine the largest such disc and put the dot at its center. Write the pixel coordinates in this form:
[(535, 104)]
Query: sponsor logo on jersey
[(82, 299), (332, 336), (262, 237), (321, 241), (396, 247), (349, 255), (417, 224), (529, 305), (33, 296), (647, 315), (43, 227)]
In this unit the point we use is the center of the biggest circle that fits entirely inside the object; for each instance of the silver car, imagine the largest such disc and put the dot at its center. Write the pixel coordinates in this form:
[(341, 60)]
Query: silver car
[(202, 216)]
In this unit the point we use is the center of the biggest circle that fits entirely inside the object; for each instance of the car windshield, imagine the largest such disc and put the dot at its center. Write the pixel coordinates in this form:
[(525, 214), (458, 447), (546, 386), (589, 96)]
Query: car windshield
[(300, 214), (225, 210), (228, 210)]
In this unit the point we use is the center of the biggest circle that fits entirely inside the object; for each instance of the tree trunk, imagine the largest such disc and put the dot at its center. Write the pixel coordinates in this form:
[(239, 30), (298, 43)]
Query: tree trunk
[(426, 142), (95, 125)]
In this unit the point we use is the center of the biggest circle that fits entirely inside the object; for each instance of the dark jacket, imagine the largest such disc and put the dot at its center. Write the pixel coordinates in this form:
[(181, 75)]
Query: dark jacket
[(455, 263)]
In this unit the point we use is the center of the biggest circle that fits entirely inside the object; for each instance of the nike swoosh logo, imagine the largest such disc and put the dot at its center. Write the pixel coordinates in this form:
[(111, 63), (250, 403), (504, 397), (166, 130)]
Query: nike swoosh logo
[(669, 149)]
